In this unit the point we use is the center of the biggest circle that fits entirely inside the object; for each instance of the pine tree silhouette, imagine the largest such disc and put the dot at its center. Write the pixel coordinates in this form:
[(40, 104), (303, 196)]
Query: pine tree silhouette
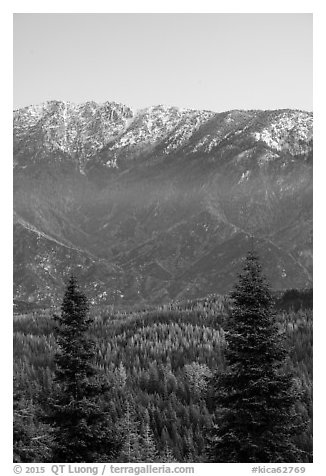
[(254, 397), (82, 429)]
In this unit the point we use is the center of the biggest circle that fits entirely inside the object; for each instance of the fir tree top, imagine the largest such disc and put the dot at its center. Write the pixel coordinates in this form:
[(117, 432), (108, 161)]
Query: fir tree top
[(74, 307), (252, 288)]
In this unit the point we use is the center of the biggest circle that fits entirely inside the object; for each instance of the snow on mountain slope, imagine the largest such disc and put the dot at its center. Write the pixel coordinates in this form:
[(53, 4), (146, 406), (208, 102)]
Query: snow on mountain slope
[(81, 131), (158, 204), (78, 130), (288, 130), (157, 123)]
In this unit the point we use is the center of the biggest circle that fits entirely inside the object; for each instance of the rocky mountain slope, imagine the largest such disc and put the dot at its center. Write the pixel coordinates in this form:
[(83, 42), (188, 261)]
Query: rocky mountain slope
[(158, 204)]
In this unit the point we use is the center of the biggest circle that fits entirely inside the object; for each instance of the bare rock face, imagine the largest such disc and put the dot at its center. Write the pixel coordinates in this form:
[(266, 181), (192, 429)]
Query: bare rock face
[(158, 204)]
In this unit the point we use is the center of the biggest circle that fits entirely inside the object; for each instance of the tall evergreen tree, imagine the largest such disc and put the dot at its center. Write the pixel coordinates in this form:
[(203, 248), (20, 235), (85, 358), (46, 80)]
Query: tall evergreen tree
[(82, 430), (148, 448), (129, 429), (254, 397)]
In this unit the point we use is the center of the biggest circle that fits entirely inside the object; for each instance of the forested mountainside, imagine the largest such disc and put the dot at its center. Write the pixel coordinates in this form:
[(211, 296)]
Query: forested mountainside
[(158, 204), (158, 363)]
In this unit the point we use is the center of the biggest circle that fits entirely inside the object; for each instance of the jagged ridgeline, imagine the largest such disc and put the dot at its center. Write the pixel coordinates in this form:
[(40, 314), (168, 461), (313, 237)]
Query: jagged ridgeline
[(159, 204), (157, 363)]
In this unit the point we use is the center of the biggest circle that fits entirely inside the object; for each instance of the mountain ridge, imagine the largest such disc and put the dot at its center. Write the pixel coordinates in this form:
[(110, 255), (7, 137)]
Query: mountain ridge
[(149, 197)]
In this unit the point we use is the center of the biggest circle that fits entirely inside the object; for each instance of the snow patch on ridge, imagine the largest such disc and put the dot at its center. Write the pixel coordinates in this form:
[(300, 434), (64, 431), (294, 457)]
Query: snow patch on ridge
[(162, 123), (291, 131)]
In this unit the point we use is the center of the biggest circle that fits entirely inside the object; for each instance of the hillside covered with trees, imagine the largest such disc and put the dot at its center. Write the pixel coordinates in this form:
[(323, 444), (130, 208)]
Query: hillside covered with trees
[(157, 364)]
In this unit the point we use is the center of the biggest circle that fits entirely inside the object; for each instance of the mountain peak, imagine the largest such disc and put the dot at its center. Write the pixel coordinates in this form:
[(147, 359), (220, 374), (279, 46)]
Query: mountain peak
[(78, 130)]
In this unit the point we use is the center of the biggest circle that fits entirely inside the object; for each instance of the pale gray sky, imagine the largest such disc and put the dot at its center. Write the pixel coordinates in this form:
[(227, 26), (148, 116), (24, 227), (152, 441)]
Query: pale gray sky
[(200, 61)]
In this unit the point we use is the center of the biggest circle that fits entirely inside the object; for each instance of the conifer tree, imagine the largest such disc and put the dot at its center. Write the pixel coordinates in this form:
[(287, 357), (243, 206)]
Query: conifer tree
[(254, 397), (148, 448), (82, 430), (129, 429), (30, 437), (167, 455)]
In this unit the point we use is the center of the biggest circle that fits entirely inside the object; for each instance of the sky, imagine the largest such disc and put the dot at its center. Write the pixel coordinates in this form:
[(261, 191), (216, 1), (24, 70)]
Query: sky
[(200, 61)]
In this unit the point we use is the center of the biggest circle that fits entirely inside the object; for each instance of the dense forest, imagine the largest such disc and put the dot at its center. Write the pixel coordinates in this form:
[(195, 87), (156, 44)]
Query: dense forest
[(157, 364)]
